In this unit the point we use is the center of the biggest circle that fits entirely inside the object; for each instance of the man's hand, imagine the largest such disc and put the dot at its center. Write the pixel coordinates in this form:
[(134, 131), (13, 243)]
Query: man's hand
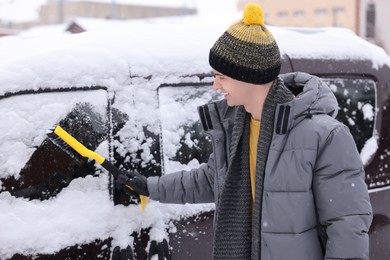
[(134, 181)]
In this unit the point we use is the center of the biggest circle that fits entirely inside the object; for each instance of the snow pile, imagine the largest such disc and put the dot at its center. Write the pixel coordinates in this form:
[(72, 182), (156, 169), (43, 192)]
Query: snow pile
[(335, 43), (369, 148), (81, 213)]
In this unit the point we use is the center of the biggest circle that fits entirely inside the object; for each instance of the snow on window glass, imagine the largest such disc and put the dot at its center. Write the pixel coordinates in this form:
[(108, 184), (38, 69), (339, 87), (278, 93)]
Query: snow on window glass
[(357, 102), (26, 118), (183, 139)]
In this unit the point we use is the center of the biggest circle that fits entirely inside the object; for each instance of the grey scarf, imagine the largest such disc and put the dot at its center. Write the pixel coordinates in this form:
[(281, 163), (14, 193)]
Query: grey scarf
[(237, 231)]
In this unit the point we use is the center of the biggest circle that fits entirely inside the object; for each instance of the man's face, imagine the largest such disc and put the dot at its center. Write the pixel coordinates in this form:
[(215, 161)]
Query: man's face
[(236, 92)]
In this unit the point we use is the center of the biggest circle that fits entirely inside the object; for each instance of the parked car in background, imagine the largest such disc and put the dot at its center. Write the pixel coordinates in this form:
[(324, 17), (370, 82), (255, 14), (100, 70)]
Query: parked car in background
[(133, 97)]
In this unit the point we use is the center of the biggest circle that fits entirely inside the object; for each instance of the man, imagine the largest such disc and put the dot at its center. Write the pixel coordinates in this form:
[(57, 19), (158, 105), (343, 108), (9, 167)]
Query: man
[(286, 177)]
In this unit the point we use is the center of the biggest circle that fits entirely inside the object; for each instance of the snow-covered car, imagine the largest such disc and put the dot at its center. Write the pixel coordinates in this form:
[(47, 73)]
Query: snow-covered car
[(132, 96)]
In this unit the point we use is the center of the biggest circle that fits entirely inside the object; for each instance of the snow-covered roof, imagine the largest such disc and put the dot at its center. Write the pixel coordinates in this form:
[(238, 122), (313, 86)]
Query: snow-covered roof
[(101, 57)]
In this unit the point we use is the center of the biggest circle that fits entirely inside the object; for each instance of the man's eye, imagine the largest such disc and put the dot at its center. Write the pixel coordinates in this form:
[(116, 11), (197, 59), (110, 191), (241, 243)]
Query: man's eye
[(219, 76)]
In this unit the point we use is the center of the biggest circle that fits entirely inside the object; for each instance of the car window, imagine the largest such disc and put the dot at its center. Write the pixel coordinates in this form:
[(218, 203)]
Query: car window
[(357, 103), (183, 140), (31, 165)]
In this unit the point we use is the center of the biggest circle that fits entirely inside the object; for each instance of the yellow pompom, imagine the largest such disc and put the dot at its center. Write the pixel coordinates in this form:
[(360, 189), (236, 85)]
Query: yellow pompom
[(253, 14)]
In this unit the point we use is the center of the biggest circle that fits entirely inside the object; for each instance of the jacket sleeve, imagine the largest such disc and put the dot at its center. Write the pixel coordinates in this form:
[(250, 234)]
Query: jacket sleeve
[(341, 197), (194, 186)]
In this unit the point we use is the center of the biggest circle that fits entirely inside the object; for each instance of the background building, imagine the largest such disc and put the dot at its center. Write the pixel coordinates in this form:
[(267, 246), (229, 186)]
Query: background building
[(65, 11), (308, 13), (374, 22), (367, 18)]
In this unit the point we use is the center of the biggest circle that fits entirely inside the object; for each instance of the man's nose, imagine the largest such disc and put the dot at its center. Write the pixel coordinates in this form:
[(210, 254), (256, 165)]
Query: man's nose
[(216, 85)]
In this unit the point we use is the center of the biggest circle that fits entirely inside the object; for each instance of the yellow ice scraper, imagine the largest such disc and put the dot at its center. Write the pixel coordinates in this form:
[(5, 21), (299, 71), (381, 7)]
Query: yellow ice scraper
[(85, 152)]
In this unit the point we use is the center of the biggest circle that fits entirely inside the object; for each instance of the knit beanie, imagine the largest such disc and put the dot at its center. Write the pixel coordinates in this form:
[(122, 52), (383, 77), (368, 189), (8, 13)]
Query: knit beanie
[(247, 51)]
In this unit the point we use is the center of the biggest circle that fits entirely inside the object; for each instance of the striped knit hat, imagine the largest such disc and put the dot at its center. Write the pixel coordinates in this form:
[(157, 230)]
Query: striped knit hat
[(247, 51)]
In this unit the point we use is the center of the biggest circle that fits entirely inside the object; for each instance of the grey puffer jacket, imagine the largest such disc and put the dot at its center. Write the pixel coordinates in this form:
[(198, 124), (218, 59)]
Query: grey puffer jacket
[(313, 199)]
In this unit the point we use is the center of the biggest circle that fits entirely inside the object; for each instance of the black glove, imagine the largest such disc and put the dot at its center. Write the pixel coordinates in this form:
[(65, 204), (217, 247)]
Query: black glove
[(136, 181)]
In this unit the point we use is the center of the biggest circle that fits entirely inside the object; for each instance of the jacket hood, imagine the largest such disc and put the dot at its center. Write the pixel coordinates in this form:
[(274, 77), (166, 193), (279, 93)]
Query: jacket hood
[(312, 97)]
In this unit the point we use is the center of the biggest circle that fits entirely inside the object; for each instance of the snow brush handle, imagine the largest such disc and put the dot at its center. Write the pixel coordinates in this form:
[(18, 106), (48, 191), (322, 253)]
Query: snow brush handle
[(116, 172), (85, 152)]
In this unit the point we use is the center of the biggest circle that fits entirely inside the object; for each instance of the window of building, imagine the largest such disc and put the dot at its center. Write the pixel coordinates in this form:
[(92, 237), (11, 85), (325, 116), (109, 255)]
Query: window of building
[(282, 14), (299, 13), (266, 18), (370, 21), (337, 13), (338, 10), (321, 11)]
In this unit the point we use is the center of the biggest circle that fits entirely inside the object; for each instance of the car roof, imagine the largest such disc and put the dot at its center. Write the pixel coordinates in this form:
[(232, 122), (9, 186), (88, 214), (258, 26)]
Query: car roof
[(111, 56)]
